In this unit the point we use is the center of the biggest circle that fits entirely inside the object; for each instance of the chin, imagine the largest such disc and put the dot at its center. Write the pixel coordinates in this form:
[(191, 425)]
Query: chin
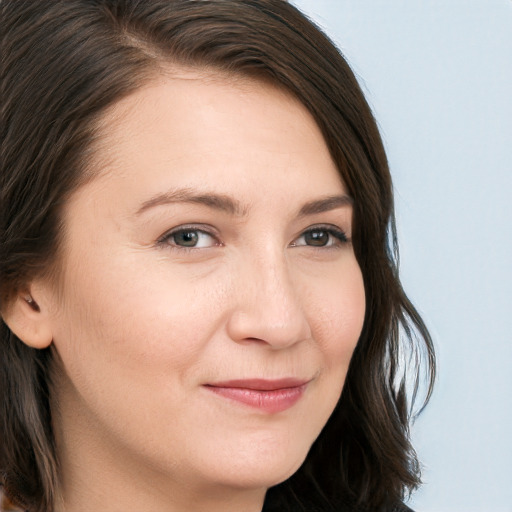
[(265, 471)]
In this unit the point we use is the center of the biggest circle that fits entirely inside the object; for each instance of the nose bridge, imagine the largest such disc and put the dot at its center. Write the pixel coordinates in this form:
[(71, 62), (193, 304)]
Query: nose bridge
[(269, 306)]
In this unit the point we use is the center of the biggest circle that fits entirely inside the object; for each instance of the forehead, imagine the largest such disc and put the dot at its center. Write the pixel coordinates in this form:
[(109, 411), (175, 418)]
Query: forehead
[(196, 127)]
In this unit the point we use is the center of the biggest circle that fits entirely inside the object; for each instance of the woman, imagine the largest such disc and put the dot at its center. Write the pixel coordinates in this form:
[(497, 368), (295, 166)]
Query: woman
[(200, 307)]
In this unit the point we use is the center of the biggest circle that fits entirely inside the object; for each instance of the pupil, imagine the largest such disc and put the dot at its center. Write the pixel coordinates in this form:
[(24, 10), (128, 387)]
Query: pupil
[(186, 238), (318, 238)]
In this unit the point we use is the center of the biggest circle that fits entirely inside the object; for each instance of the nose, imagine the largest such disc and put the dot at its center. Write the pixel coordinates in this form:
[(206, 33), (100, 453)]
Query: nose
[(267, 305)]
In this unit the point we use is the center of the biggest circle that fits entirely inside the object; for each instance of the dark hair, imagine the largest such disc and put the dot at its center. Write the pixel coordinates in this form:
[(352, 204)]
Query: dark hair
[(63, 63)]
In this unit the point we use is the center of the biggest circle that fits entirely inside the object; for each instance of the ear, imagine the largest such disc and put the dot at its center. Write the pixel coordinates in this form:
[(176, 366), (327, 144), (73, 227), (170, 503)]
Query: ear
[(28, 321)]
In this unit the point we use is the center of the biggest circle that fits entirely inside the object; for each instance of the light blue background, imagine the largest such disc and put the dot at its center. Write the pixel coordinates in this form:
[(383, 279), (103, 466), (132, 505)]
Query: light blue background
[(438, 75)]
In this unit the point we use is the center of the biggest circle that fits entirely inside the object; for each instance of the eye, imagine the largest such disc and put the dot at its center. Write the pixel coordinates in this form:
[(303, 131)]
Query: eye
[(188, 238), (321, 237)]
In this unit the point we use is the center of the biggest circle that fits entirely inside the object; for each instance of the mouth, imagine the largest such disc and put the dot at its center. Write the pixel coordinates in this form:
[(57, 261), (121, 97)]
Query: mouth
[(270, 396)]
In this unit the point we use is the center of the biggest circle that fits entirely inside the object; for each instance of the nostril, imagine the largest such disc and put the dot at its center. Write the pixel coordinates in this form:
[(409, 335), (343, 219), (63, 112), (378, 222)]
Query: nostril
[(252, 340)]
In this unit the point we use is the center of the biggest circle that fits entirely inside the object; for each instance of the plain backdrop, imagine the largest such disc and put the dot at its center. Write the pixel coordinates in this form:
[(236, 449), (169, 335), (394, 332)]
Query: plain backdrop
[(438, 75)]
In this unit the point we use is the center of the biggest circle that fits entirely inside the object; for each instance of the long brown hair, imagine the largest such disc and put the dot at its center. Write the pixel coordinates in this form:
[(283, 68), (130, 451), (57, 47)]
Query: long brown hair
[(64, 62)]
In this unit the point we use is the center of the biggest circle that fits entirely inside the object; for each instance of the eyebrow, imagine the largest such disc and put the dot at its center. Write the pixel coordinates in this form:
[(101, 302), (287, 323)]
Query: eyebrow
[(326, 204), (231, 206), (212, 200)]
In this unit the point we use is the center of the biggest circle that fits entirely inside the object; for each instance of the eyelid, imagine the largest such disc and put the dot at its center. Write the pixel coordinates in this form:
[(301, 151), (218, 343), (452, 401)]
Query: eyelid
[(200, 228), (335, 231)]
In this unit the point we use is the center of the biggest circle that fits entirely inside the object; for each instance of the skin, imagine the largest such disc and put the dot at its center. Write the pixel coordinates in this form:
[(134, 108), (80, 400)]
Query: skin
[(141, 323)]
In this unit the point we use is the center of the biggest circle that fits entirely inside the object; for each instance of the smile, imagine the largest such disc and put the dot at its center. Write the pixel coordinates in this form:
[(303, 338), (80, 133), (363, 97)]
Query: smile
[(270, 396)]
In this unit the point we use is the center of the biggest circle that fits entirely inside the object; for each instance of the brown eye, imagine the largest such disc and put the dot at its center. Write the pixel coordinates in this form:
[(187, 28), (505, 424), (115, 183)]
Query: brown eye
[(321, 237), (316, 237)]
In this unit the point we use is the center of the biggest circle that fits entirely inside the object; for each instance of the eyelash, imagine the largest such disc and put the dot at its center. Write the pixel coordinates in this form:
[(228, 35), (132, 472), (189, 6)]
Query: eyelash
[(333, 232), (165, 240)]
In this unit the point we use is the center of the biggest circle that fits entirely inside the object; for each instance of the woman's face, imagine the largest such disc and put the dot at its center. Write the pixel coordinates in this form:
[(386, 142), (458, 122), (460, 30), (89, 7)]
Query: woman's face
[(210, 299)]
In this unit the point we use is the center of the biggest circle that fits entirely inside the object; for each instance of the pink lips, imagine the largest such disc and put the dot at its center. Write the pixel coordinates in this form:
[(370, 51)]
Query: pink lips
[(269, 396)]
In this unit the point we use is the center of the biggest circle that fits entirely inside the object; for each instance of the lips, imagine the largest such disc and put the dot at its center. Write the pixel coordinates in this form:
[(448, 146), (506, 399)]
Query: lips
[(270, 396)]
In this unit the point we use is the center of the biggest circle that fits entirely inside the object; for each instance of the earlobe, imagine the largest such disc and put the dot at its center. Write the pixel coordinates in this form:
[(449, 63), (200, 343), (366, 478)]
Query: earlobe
[(26, 320)]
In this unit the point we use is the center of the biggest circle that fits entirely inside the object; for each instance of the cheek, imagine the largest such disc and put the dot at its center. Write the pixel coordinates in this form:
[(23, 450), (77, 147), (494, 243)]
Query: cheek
[(130, 344), (336, 310), (339, 310), (126, 318)]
